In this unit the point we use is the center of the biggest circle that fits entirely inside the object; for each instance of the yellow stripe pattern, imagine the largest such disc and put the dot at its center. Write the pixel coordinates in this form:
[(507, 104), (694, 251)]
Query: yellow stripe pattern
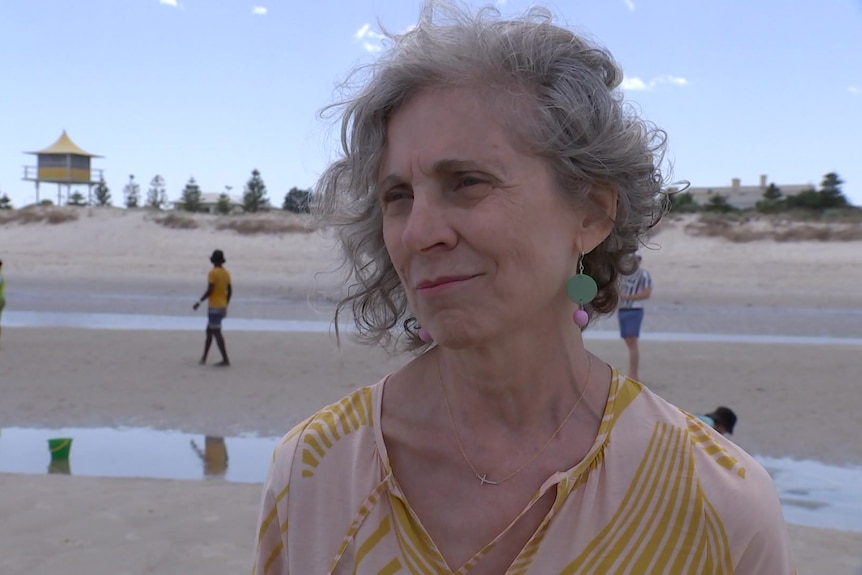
[(664, 524), (649, 504), (331, 424)]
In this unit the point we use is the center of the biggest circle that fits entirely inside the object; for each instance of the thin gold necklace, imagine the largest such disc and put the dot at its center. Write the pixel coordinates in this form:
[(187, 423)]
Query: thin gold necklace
[(483, 477)]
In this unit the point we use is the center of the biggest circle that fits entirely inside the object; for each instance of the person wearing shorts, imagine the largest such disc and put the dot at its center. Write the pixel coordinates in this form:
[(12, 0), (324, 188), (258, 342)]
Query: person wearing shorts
[(634, 289), (2, 296), (219, 292)]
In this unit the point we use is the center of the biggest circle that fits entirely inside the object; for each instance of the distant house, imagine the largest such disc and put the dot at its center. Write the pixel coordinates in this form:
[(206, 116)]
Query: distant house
[(209, 202), (744, 197)]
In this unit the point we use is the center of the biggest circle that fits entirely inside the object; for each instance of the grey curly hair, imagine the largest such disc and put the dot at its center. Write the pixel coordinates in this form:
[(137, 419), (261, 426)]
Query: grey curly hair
[(569, 111)]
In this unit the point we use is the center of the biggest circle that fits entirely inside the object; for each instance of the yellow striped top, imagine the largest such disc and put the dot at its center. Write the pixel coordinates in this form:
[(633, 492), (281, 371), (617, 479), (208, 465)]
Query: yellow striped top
[(659, 492)]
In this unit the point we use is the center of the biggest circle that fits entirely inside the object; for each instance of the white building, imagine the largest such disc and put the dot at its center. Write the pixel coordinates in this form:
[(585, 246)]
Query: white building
[(744, 197)]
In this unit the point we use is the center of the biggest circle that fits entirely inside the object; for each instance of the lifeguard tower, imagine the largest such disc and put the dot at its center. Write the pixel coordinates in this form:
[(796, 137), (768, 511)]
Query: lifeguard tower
[(65, 164)]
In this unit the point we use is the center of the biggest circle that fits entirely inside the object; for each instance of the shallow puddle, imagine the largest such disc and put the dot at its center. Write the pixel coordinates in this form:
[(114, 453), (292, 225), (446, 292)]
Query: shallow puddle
[(138, 452), (812, 493), (816, 494), (121, 321)]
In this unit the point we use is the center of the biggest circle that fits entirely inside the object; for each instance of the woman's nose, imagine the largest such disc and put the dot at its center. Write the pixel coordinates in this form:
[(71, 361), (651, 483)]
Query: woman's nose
[(427, 224)]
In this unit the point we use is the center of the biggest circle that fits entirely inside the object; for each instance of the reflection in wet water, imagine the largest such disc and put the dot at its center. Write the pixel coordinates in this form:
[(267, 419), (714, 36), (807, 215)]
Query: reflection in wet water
[(812, 493), (214, 455), (138, 452), (62, 466)]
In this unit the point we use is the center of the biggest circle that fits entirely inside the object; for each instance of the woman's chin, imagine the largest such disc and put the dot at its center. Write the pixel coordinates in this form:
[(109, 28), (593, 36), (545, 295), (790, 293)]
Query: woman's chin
[(459, 337)]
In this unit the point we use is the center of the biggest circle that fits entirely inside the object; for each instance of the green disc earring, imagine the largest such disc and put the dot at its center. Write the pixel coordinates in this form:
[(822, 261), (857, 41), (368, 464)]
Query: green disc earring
[(581, 289)]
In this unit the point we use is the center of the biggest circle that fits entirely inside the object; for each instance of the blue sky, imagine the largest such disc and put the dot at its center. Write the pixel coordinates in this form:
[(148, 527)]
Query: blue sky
[(215, 88)]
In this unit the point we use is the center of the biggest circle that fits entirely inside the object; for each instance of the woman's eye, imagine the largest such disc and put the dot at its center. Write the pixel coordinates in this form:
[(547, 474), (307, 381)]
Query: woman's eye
[(395, 194), (468, 181)]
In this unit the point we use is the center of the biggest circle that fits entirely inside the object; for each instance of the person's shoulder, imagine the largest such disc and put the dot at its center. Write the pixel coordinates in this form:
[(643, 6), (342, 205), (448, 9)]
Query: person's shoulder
[(341, 428), (715, 455), (699, 473)]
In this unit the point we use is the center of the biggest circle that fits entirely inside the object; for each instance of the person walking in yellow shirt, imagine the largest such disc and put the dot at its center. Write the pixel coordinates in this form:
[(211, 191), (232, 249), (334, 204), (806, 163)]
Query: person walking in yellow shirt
[(219, 292)]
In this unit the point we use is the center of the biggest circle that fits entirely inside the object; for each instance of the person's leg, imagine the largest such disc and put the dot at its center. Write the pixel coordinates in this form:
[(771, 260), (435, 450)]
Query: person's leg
[(221, 347), (630, 329), (207, 345), (216, 315), (634, 356)]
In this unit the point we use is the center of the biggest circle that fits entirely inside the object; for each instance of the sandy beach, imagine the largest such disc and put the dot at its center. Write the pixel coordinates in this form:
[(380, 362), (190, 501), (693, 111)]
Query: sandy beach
[(793, 382)]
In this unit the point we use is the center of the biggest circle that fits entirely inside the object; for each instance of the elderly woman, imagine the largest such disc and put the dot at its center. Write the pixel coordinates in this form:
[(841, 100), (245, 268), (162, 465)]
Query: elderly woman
[(492, 188)]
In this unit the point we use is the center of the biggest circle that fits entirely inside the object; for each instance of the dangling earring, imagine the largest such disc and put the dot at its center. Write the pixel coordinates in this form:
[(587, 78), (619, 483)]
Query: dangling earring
[(581, 289), (412, 326)]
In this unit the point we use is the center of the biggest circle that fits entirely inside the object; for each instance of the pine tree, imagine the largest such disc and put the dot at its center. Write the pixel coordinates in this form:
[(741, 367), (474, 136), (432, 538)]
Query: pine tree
[(157, 197), (223, 204), (254, 198), (719, 203), (297, 201), (77, 199), (132, 193), (682, 203), (831, 195), (5, 202), (190, 198), (773, 192), (102, 193)]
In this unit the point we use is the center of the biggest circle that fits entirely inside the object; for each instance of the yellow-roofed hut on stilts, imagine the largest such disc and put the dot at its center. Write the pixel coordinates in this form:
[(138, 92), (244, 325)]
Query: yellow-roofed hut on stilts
[(65, 164)]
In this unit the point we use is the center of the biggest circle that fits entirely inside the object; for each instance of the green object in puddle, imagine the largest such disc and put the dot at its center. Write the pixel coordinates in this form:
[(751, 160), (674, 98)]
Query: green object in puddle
[(60, 447)]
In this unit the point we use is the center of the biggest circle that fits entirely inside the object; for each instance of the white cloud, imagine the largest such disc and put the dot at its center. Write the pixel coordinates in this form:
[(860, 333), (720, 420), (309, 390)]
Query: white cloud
[(630, 5), (854, 89), (370, 40), (259, 10), (675, 80), (635, 84), (171, 3)]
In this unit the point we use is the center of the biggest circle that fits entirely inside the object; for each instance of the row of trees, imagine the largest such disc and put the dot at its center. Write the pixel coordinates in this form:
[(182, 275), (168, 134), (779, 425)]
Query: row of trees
[(829, 197), (254, 197)]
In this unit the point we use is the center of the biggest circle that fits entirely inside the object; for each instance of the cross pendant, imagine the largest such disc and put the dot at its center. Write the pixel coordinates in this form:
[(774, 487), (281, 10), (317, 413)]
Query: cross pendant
[(483, 479)]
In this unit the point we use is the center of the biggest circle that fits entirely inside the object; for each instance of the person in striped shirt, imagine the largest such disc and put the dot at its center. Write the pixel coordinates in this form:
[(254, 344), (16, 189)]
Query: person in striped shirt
[(634, 289)]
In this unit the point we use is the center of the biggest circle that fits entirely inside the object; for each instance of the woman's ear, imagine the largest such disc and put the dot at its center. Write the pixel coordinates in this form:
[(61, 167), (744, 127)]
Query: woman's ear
[(598, 215)]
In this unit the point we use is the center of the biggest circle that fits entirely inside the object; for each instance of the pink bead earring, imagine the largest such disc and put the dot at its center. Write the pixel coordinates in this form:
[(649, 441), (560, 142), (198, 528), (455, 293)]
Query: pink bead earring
[(424, 335), (581, 289)]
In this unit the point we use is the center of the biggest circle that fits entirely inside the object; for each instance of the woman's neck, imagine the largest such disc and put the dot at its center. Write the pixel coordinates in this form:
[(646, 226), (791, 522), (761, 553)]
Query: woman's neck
[(521, 380)]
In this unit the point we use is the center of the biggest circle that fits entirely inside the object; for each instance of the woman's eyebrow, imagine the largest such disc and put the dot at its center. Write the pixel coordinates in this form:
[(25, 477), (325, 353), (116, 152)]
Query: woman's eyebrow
[(444, 167), (452, 166)]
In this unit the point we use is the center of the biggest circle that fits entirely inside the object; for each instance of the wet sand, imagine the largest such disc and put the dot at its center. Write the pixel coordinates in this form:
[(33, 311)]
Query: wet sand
[(99, 378), (793, 400)]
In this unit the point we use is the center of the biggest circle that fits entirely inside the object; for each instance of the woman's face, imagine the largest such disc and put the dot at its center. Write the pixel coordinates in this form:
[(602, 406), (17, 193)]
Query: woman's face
[(480, 238)]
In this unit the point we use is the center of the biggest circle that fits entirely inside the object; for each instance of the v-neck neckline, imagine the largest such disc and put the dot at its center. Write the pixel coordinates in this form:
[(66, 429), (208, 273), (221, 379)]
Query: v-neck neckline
[(564, 481)]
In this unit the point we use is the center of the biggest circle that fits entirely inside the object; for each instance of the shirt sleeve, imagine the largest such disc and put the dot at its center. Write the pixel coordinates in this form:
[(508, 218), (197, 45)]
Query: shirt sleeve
[(768, 548), (271, 547), (270, 556)]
